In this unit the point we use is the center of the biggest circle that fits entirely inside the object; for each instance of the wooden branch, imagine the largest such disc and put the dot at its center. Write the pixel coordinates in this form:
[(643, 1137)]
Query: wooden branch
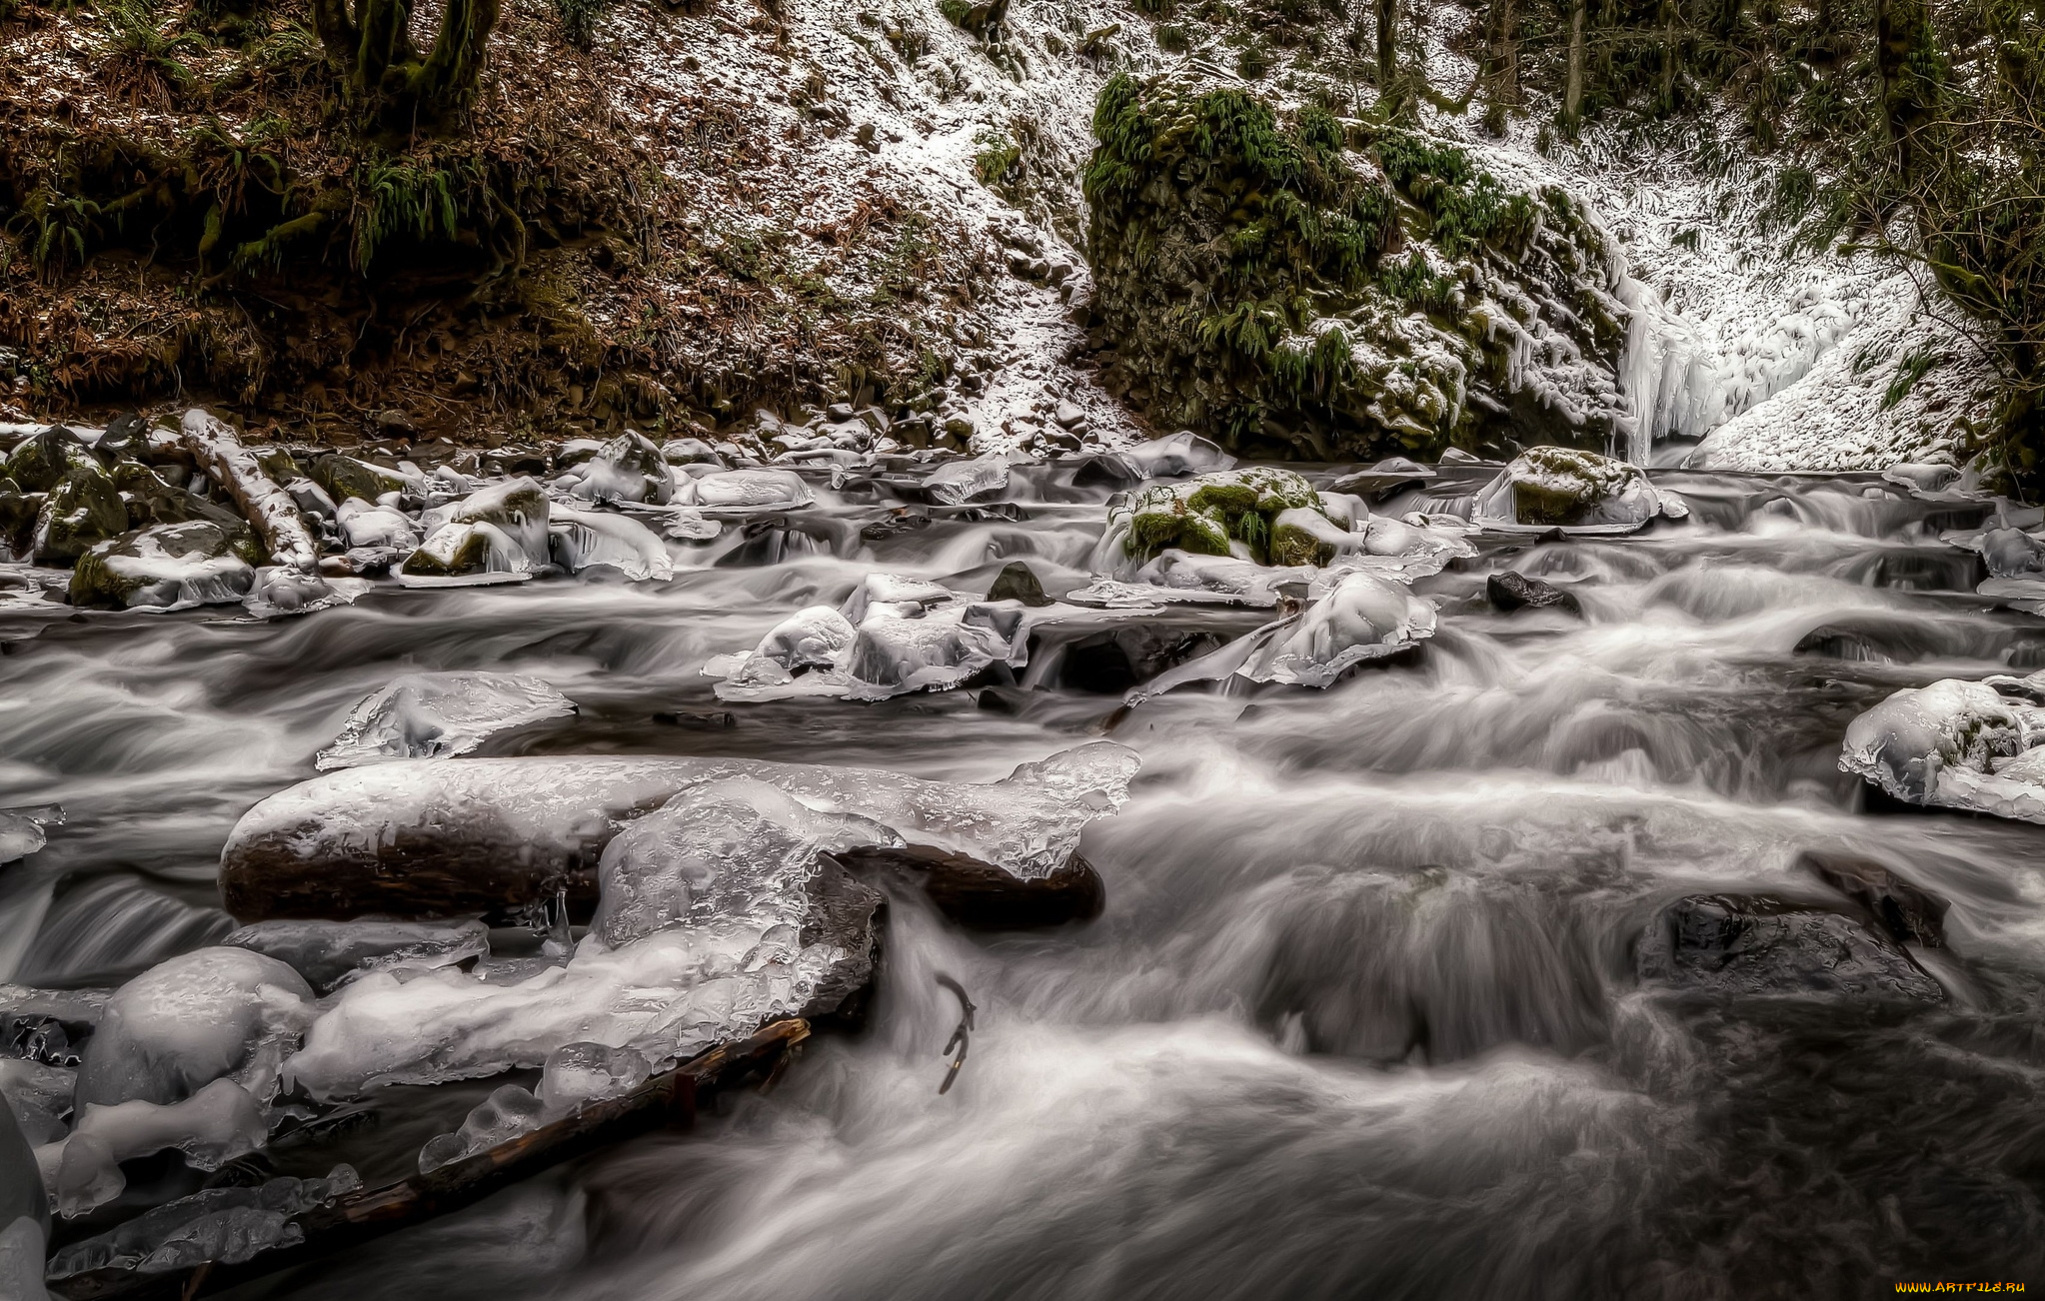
[(668, 1100), (267, 507)]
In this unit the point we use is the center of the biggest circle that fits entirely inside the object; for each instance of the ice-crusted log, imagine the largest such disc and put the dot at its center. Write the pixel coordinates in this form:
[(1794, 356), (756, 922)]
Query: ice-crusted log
[(443, 838), (268, 508), (667, 1100)]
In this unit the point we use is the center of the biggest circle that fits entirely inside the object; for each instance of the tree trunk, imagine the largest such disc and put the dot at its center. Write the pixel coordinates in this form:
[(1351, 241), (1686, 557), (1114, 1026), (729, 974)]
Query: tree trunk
[(1572, 94), (372, 47), (1899, 26), (1390, 92), (1502, 52), (1672, 56)]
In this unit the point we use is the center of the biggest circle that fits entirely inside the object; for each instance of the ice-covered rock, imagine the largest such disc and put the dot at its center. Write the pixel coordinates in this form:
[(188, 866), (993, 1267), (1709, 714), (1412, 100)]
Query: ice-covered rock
[(1922, 479), (226, 1226), (446, 837), (893, 635), (165, 567), (197, 1018), (212, 1127), (22, 1196), (327, 953), (744, 490), (1175, 455), (21, 831), (21, 1259), (282, 590), (438, 715), (346, 477), (517, 508), (375, 524), (585, 539), (689, 451), (1956, 744), (1224, 513), (957, 482), (1561, 487), (630, 467), (1356, 617)]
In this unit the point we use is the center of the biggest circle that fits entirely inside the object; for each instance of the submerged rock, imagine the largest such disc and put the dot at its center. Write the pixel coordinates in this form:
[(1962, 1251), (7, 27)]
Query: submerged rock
[(1742, 946), (1510, 591), (439, 715), (1018, 582), (166, 567), (1911, 914)]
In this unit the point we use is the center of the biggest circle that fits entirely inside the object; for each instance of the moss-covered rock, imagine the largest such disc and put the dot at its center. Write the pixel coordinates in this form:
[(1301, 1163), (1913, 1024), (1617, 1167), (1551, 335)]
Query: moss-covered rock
[(39, 462), (83, 510), (1210, 515), (1263, 283), (152, 500), (517, 508), (472, 551), (345, 476), (166, 565), (18, 512)]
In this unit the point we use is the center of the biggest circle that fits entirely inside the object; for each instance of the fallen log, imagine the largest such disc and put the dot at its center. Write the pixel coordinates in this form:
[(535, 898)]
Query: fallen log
[(669, 1100), (269, 509)]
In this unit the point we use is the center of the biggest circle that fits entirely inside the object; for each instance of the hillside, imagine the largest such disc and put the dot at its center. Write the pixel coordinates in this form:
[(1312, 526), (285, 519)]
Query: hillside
[(792, 203)]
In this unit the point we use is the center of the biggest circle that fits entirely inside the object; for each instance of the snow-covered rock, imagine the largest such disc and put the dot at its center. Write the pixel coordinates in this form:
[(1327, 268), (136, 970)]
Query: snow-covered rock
[(164, 567), (587, 539), (438, 715), (744, 490), (630, 468), (1577, 491)]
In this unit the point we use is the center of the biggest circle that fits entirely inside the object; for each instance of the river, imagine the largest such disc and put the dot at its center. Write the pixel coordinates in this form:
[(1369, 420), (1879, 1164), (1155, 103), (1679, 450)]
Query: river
[(1363, 1015)]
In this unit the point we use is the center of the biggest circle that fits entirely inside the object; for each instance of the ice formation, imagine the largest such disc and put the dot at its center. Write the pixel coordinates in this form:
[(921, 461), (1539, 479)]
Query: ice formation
[(1957, 744), (199, 1017), (628, 468), (379, 524), (39, 1095), (211, 1127), (327, 953), (509, 1112), (223, 1225), (465, 554), (892, 636), (280, 590), (586, 539), (438, 715), (956, 482)]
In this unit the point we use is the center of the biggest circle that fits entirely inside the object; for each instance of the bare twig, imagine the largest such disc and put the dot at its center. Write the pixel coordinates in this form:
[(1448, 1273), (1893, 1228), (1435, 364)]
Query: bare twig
[(961, 1037)]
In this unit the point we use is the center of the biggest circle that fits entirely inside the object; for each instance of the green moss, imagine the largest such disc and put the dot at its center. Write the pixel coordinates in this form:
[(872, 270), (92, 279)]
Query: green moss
[(1207, 514)]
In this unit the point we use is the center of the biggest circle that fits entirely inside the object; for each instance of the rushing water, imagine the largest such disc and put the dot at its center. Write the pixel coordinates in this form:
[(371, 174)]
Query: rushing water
[(1361, 1017)]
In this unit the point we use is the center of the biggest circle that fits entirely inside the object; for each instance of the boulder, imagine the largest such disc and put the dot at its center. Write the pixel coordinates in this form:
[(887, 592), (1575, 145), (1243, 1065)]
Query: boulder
[(1018, 582), (456, 837), (42, 461), (517, 508), (1212, 515), (126, 438), (83, 510), (18, 513), (467, 552), (1955, 744), (166, 566), (1761, 946), (1563, 487), (1510, 591), (439, 715), (628, 468), (345, 476)]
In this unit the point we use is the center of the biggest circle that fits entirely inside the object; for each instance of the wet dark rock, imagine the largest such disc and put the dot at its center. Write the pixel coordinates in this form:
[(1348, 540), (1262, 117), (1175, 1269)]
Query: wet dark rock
[(1510, 591), (844, 912), (982, 896), (1112, 662), (126, 438), (1761, 946), (1018, 582), (18, 511), (896, 522), (710, 722), (82, 511), (1910, 914)]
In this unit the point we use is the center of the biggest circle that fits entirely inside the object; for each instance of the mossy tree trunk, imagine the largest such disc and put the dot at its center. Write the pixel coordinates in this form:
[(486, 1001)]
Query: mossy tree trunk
[(1572, 93), (1672, 55), (383, 70), (1901, 30)]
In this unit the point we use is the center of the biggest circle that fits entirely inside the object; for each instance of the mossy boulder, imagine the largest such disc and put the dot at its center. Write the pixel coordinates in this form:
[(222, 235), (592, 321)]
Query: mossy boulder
[(517, 508), (1262, 282), (152, 500), (1564, 487), (466, 551), (1211, 515), (83, 510), (41, 461), (167, 565), (18, 512), (345, 476)]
